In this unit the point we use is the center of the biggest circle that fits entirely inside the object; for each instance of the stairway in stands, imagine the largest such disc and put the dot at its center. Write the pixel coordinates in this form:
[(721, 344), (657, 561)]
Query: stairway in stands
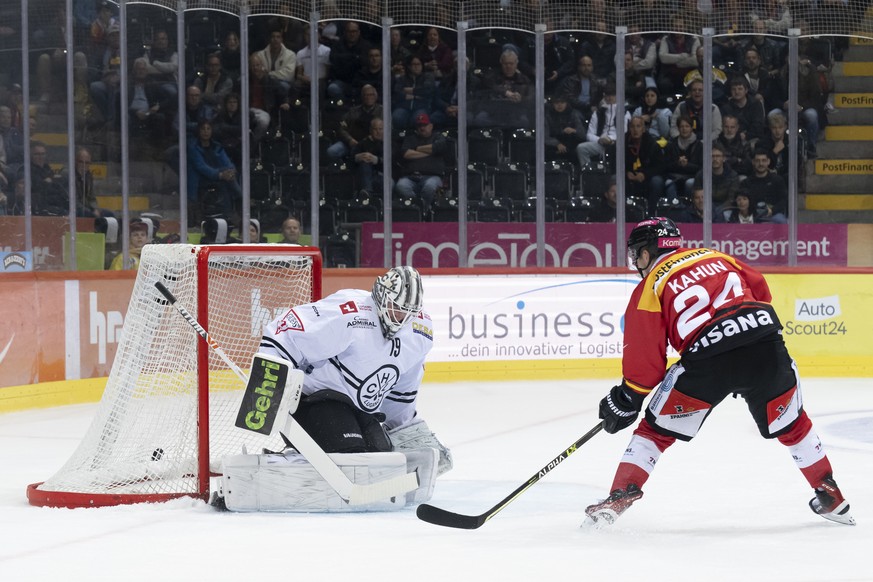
[(839, 184)]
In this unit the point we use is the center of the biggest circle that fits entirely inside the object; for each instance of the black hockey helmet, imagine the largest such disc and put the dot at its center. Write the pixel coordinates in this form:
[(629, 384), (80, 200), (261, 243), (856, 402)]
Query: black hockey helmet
[(657, 235)]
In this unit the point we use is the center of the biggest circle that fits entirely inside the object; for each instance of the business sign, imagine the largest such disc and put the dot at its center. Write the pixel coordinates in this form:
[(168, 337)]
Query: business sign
[(522, 321), (514, 244), (542, 317)]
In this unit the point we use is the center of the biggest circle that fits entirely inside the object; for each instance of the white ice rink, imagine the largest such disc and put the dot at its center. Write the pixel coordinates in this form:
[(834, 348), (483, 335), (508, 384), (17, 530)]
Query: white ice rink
[(727, 506)]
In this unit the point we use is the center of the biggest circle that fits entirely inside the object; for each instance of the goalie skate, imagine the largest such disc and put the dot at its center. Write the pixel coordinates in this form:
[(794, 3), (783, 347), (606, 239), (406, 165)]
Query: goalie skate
[(608, 510), (830, 503)]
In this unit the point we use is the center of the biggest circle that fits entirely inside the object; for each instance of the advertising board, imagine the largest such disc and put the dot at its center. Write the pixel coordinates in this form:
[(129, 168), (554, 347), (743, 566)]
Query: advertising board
[(514, 244), (485, 326)]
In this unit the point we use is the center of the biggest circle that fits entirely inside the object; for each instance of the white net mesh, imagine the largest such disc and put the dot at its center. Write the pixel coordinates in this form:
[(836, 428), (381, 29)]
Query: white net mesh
[(831, 17), (144, 438)]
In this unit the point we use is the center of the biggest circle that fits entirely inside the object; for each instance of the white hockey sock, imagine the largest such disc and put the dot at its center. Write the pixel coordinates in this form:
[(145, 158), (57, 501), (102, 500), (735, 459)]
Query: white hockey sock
[(808, 451), (641, 452)]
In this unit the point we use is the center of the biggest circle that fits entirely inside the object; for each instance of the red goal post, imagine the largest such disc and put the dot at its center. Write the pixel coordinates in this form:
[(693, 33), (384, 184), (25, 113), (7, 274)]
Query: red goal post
[(167, 413)]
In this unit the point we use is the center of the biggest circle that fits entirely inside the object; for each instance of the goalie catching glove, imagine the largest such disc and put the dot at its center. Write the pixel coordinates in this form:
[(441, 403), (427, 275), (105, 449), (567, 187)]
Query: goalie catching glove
[(620, 408), (418, 436)]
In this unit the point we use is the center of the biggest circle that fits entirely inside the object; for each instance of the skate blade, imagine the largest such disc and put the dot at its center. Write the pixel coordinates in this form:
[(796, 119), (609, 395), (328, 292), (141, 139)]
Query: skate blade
[(600, 519), (839, 515), (217, 502)]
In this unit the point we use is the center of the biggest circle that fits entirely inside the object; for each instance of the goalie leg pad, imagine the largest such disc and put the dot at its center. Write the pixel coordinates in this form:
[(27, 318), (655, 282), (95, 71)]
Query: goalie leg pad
[(288, 483), (425, 462)]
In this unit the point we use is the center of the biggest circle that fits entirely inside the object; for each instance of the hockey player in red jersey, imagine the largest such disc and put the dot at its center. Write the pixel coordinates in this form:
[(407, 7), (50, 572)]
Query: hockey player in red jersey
[(715, 311)]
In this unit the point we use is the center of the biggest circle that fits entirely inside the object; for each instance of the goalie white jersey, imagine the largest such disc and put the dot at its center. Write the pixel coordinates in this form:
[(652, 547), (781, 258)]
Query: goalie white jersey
[(338, 343)]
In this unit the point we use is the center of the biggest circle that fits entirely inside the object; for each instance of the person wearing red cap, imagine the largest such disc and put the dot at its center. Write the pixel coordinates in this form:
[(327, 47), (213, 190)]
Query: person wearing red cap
[(423, 164)]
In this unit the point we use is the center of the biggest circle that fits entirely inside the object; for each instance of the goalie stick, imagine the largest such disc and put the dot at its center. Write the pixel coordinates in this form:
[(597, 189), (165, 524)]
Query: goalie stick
[(445, 518), (351, 492)]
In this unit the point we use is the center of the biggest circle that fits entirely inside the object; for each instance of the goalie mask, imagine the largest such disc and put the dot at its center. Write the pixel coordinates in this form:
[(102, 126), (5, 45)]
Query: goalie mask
[(657, 235), (397, 294)]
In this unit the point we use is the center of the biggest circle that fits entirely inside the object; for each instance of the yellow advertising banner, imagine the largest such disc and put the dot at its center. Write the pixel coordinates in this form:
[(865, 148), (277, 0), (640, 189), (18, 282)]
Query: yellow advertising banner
[(825, 321)]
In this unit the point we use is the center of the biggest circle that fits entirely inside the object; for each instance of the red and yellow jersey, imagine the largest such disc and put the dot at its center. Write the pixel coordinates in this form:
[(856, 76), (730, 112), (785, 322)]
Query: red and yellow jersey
[(702, 302)]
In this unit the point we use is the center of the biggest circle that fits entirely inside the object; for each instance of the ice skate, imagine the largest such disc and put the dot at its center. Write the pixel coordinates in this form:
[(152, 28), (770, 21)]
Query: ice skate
[(830, 503), (608, 510), (217, 501)]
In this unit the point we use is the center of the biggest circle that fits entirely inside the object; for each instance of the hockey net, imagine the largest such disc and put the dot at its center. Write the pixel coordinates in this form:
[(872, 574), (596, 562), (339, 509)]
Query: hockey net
[(168, 410)]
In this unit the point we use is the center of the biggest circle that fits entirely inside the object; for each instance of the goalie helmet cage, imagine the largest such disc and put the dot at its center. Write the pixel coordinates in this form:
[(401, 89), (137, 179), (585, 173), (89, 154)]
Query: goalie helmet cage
[(168, 410)]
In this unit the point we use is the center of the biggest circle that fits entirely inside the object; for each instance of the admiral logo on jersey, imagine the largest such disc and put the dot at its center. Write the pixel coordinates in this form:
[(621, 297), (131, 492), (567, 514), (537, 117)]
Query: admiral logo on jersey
[(349, 307), (361, 322)]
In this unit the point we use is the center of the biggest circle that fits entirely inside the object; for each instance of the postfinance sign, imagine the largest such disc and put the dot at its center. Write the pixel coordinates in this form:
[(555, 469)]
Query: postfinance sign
[(853, 100), (851, 167)]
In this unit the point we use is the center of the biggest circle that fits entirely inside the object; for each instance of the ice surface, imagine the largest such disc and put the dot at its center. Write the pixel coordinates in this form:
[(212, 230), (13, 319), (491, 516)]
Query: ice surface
[(727, 506)]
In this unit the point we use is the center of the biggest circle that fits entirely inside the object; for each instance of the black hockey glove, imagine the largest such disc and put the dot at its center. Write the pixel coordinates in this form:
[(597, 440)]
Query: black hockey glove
[(620, 408)]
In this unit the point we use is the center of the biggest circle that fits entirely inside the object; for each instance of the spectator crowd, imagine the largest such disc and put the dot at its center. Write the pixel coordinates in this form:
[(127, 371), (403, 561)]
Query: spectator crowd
[(664, 138)]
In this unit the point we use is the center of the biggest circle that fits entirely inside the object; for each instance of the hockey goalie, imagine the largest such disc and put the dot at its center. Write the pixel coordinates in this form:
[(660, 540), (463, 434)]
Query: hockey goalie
[(350, 366)]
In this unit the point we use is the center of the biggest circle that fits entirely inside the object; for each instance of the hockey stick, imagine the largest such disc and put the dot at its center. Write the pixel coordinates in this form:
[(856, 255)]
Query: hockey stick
[(351, 492), (438, 516), (201, 332)]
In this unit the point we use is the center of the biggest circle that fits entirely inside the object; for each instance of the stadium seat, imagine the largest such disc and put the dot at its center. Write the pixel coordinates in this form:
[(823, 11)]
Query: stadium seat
[(523, 147), (510, 180), (476, 181), (275, 151), (581, 209), (527, 211), (594, 181), (338, 182), (362, 210), (494, 210), (407, 210), (485, 146), (294, 183), (340, 250), (445, 210), (558, 181), (636, 209)]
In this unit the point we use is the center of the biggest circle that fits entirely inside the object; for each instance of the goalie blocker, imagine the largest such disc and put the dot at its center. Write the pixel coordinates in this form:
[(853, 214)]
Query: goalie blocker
[(272, 391)]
